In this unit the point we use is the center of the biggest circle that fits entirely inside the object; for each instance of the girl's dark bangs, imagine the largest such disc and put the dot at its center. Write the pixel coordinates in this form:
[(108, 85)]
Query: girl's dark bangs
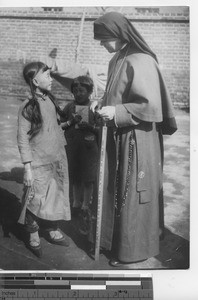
[(45, 68)]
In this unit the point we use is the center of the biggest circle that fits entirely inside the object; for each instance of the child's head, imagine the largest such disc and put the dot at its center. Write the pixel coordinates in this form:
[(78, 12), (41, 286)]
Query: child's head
[(37, 75), (82, 88)]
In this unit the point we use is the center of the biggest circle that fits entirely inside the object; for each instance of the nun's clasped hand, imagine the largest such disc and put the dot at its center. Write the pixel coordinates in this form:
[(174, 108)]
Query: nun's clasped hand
[(107, 112)]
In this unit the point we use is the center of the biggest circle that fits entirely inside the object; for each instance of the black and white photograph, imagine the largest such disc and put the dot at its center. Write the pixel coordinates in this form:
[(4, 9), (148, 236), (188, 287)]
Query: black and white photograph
[(95, 138), (128, 68)]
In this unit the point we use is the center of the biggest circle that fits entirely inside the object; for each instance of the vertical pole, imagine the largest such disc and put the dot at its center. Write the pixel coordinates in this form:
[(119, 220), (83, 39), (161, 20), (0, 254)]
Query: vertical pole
[(100, 191), (80, 35)]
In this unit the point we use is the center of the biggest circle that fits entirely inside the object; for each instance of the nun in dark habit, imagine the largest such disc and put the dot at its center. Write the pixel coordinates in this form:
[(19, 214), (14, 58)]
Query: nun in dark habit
[(138, 110)]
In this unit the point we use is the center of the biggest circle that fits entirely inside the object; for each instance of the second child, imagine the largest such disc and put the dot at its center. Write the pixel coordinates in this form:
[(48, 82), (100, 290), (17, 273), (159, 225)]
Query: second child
[(81, 127)]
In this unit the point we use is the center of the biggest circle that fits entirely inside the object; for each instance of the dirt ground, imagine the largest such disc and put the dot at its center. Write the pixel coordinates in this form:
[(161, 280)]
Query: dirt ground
[(174, 248)]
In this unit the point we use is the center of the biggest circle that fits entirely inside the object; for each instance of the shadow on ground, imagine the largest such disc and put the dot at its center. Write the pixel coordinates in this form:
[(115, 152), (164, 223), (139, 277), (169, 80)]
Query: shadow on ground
[(10, 205), (174, 248), (15, 254), (174, 251), (16, 174), (9, 213)]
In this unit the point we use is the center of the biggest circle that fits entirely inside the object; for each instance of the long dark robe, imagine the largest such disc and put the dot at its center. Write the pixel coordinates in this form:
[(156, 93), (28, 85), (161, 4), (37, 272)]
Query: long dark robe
[(144, 112)]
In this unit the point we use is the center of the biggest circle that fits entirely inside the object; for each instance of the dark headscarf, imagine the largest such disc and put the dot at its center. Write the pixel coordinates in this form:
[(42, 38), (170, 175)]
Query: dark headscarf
[(115, 25)]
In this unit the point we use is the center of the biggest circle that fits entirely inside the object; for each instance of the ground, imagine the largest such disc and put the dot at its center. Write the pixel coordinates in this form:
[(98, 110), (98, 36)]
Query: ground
[(174, 248)]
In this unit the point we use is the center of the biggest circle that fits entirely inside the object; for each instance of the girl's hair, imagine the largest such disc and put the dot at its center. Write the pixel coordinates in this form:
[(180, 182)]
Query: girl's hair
[(31, 110), (84, 81)]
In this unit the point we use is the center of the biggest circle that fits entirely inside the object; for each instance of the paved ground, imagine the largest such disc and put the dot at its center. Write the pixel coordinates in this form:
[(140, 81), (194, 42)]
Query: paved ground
[(13, 254)]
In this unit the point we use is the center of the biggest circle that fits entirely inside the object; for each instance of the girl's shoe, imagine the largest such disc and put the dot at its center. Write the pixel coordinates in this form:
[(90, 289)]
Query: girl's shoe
[(57, 237), (34, 244)]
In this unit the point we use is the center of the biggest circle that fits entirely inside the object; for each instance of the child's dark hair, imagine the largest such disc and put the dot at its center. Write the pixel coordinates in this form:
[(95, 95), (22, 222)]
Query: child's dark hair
[(84, 81), (31, 110)]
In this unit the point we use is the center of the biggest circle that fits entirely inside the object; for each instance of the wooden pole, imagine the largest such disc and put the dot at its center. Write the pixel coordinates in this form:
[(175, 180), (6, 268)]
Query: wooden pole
[(80, 35), (100, 191)]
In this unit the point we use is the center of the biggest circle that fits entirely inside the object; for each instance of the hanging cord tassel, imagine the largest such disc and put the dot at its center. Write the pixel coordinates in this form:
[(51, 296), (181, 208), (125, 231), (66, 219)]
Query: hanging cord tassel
[(118, 205)]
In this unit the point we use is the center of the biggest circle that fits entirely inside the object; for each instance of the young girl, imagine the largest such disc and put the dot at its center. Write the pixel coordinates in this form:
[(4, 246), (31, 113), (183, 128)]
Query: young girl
[(41, 144), (81, 133)]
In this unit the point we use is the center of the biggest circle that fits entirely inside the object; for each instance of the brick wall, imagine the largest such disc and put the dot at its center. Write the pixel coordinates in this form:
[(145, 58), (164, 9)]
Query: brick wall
[(32, 33)]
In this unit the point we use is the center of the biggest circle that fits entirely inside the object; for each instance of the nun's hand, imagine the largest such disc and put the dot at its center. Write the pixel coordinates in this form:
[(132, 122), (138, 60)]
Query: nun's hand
[(94, 106), (107, 112)]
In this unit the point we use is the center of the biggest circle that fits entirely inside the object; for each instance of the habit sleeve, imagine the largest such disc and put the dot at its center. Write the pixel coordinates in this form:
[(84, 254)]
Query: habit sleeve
[(123, 118), (139, 91)]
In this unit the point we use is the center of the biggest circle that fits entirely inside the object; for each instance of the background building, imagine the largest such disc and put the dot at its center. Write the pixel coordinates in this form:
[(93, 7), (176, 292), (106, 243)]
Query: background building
[(65, 34)]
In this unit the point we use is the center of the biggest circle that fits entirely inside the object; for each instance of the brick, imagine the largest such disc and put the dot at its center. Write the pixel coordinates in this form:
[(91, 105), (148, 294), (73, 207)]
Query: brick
[(31, 39)]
